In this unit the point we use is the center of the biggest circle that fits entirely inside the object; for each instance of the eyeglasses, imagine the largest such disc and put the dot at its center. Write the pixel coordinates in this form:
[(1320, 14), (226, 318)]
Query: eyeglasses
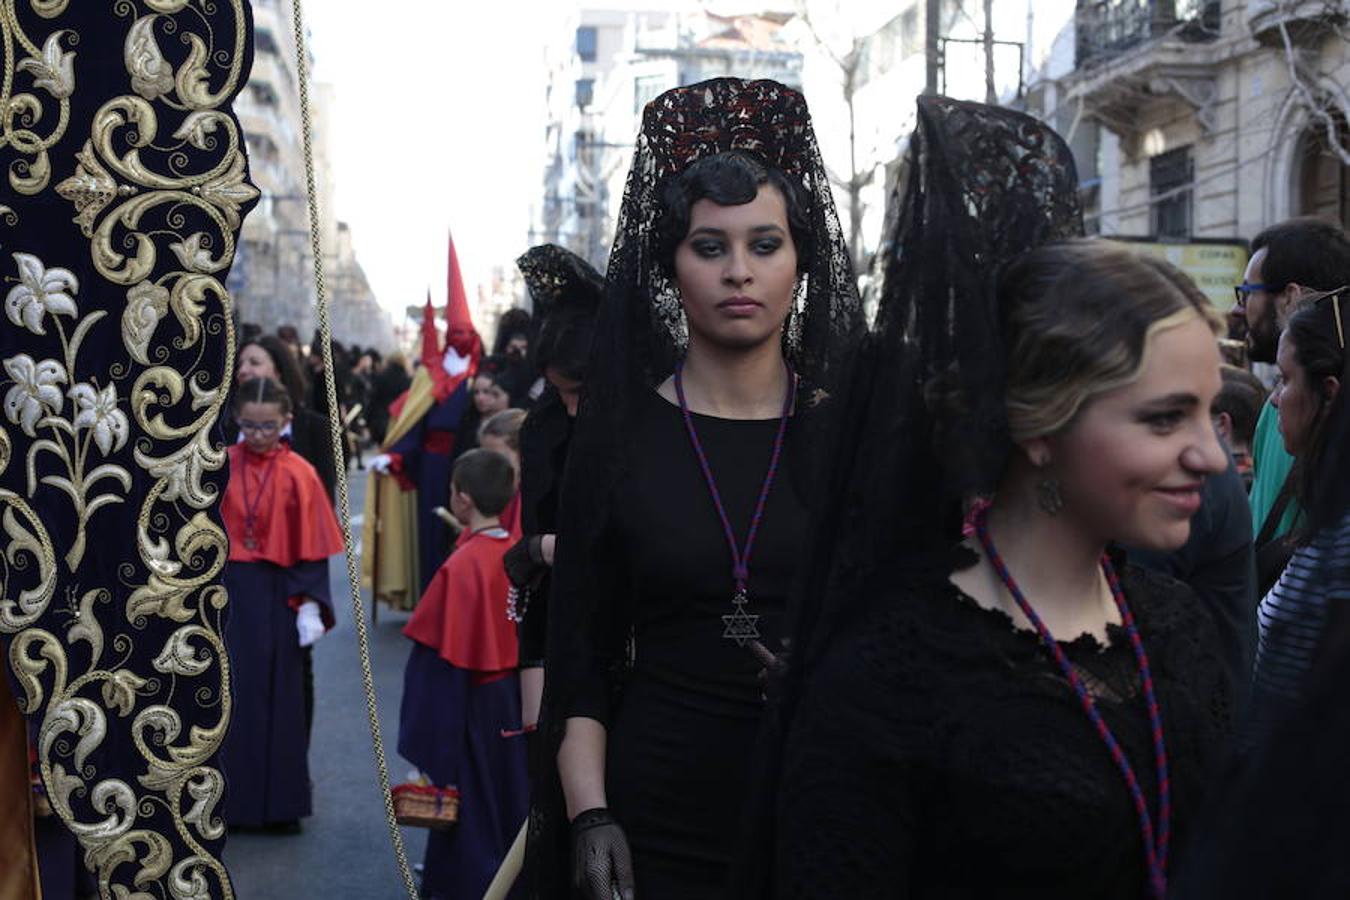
[(1242, 291), (260, 427)]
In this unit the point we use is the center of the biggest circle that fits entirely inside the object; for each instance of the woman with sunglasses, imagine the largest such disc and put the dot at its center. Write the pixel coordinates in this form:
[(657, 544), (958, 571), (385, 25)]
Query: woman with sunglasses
[(1315, 426)]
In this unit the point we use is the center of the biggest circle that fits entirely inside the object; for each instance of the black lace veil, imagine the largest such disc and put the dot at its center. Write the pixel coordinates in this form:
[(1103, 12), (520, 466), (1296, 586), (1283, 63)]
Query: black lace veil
[(924, 427), (560, 283), (566, 292), (640, 333)]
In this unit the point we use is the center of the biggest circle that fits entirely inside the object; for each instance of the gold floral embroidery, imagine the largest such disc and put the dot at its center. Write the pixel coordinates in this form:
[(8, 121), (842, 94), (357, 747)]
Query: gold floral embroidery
[(50, 69), (158, 188)]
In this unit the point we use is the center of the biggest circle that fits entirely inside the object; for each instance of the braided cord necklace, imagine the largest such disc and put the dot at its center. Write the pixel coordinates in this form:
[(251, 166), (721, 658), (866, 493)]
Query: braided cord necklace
[(251, 504), (741, 626), (1155, 843)]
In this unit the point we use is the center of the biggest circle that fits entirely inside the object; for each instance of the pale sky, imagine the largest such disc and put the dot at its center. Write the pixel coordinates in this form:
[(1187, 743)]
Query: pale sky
[(438, 126)]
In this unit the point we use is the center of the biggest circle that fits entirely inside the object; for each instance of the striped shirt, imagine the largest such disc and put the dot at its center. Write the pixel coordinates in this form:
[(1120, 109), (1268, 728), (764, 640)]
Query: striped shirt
[(1291, 619)]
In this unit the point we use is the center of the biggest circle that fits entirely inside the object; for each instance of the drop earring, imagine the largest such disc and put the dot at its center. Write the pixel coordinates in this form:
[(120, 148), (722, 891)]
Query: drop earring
[(1049, 495)]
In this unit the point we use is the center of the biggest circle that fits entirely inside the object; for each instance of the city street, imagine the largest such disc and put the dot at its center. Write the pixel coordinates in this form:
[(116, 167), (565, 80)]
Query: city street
[(344, 850)]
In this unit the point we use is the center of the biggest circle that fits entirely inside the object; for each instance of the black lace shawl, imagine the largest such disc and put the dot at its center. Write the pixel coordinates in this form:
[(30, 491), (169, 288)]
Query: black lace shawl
[(924, 426), (938, 752), (640, 333)]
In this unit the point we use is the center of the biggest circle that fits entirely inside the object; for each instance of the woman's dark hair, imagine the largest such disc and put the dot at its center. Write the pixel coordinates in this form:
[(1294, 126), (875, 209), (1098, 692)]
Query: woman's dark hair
[(506, 373), (513, 323), (262, 390), (564, 343), (284, 361), (1320, 481), (732, 178)]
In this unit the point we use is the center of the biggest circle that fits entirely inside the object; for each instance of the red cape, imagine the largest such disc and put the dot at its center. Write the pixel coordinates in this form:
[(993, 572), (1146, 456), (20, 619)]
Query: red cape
[(294, 521), (462, 615)]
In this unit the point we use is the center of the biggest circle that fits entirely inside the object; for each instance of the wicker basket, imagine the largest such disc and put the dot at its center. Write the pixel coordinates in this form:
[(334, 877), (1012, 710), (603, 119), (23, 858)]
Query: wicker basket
[(425, 805)]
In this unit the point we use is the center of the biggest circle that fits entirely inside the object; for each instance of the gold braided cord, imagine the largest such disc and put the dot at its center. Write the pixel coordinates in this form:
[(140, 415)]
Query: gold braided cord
[(335, 429)]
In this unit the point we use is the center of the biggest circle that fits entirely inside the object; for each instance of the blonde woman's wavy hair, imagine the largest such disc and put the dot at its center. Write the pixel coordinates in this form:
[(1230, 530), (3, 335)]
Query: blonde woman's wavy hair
[(1077, 319)]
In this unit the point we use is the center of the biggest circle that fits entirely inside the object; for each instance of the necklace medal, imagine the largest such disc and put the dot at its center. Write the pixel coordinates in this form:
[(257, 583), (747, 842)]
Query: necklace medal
[(739, 626), (251, 505)]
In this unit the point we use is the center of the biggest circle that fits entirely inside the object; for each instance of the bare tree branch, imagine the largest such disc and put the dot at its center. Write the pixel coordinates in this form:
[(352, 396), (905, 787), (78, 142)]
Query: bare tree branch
[(1317, 107)]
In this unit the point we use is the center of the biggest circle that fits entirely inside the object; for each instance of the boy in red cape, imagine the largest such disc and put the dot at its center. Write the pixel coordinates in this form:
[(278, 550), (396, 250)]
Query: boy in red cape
[(460, 719), (282, 530)]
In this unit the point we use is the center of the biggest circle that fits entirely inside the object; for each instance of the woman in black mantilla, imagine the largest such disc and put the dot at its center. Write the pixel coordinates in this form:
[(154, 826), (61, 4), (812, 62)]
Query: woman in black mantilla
[(940, 740), (565, 291), (730, 309)]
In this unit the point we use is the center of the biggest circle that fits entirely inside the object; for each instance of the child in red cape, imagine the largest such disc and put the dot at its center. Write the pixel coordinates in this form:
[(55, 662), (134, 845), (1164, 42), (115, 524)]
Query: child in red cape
[(500, 433), (460, 718), (282, 530)]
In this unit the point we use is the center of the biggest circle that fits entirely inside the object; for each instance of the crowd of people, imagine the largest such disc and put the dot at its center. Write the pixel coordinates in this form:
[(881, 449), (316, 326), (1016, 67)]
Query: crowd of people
[(720, 589), (1020, 588)]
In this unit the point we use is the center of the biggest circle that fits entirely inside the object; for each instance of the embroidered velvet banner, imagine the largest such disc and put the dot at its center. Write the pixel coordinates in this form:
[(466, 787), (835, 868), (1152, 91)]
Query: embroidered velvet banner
[(123, 182)]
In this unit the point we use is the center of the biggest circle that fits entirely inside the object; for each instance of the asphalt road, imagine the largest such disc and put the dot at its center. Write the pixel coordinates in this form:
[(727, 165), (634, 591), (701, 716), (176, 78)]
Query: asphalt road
[(344, 850)]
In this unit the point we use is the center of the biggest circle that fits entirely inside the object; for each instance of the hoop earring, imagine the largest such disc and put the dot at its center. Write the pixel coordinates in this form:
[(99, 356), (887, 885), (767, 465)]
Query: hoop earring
[(1049, 495)]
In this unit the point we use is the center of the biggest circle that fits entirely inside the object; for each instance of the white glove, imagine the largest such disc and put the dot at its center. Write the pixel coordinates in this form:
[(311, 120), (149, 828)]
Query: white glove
[(380, 463), (308, 623), (453, 363)]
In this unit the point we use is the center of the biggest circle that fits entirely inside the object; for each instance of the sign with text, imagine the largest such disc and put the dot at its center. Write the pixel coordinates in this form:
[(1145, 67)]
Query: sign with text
[(1214, 267)]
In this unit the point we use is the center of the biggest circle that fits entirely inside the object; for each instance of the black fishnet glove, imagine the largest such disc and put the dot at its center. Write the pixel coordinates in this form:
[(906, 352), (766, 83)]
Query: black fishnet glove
[(524, 562), (602, 866)]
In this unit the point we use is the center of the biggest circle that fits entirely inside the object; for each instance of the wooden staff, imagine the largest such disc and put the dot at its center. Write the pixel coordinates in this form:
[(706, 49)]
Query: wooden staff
[(509, 870)]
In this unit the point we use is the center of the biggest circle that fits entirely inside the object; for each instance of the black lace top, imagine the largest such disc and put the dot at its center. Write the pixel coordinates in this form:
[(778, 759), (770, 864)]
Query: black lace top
[(939, 752)]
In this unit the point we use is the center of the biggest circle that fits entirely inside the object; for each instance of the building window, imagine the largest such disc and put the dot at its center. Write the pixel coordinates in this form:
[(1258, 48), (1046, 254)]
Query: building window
[(1323, 177), (1169, 179), (585, 92), (264, 42), (646, 88), (587, 39)]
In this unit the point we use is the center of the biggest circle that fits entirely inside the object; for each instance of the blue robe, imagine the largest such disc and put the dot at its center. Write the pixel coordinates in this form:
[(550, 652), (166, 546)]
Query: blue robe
[(265, 757), (463, 730), (429, 472)]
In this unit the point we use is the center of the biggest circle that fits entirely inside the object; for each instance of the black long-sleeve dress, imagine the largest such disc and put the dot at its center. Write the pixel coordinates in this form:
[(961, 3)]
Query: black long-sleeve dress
[(682, 723), (544, 439), (939, 752)]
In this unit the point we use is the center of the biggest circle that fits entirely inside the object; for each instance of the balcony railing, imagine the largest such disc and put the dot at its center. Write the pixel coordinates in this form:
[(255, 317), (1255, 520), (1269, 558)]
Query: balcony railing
[(1107, 28)]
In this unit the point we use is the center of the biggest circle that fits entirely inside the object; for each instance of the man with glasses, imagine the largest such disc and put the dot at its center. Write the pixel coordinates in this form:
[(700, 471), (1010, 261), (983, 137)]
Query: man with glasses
[(1289, 261)]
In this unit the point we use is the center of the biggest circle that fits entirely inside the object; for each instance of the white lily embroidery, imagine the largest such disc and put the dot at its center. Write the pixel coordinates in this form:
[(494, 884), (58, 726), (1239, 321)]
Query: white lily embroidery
[(35, 392), (97, 411), (40, 291), (54, 70)]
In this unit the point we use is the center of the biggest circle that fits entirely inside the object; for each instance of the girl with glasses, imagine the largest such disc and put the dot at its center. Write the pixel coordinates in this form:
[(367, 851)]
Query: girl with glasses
[(282, 531)]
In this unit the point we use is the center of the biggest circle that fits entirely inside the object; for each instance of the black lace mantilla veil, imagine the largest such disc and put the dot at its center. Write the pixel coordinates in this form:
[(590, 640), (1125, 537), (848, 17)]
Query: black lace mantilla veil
[(564, 289), (924, 426), (559, 282), (640, 333)]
